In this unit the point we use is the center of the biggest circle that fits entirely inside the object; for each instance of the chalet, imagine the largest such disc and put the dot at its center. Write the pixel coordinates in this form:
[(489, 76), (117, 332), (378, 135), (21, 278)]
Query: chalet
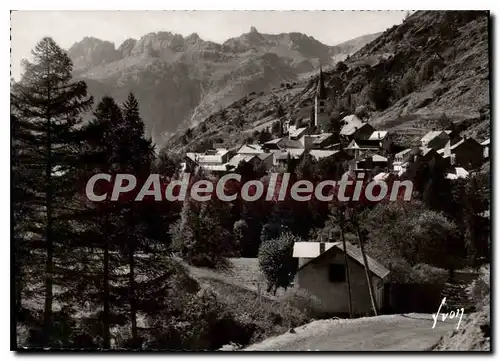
[(384, 176), (324, 140), (401, 161), (235, 161), (428, 154), (362, 146), (466, 153), (266, 160), (322, 273), (250, 149), (383, 139), (458, 173), (282, 156), (299, 133), (281, 144), (355, 128), (336, 155), (317, 141), (368, 162), (211, 160), (486, 148), (437, 139)]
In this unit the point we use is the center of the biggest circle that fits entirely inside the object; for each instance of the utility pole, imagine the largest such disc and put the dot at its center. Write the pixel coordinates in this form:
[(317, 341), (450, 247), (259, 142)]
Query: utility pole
[(365, 263), (348, 282)]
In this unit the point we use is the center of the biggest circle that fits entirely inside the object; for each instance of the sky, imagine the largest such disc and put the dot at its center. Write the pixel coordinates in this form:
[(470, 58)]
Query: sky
[(69, 27)]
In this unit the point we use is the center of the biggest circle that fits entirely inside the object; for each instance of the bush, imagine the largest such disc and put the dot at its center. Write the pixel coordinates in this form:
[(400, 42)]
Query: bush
[(310, 305), (424, 273), (407, 84), (380, 93), (201, 322), (341, 66), (479, 290), (429, 69), (276, 261)]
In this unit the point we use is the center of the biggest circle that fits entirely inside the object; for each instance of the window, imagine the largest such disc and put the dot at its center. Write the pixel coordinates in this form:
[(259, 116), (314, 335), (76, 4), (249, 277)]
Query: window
[(336, 273)]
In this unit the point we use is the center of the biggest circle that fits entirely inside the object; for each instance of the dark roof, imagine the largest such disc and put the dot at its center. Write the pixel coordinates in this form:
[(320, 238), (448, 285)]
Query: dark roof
[(367, 143), (320, 89), (322, 137), (351, 127)]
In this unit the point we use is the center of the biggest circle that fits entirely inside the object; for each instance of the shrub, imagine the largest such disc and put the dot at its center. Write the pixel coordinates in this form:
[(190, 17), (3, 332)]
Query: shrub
[(310, 305), (341, 66), (407, 84), (424, 273), (429, 69), (479, 290), (380, 93), (362, 112), (276, 261), (201, 322)]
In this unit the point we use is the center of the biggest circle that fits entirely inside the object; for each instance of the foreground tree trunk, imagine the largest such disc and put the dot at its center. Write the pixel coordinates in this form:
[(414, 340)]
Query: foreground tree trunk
[(367, 271), (348, 282), (47, 316)]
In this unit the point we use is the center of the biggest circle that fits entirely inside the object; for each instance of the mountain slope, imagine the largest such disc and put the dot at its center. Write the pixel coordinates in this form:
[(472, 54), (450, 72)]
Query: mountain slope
[(431, 70), (179, 80)]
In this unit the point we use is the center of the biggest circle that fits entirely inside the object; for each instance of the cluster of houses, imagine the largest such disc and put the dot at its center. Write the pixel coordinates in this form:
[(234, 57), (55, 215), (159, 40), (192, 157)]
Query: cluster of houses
[(322, 264), (354, 140)]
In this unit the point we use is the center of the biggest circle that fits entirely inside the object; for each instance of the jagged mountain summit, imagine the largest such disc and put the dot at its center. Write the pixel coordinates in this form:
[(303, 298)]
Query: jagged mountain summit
[(432, 71), (179, 81)]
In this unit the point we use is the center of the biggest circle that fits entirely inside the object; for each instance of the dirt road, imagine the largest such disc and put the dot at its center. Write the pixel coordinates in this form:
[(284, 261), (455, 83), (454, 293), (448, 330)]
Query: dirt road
[(411, 332)]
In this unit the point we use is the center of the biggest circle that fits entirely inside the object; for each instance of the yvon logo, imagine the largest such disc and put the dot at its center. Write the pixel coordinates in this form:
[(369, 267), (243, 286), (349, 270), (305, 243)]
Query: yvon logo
[(450, 315)]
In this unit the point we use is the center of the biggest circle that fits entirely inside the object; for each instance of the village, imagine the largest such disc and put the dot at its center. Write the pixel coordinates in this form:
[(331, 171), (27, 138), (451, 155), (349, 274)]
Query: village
[(354, 140), (361, 149)]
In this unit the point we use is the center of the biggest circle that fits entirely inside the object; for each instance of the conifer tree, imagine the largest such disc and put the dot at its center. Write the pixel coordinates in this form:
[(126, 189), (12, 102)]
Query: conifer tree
[(49, 104)]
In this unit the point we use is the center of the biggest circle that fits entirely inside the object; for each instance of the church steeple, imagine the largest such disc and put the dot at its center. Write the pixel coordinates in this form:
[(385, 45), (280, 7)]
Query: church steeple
[(320, 89)]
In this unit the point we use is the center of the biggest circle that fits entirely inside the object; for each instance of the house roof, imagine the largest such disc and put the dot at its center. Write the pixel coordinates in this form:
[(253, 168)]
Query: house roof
[(486, 142), (319, 153), (297, 132), (350, 118), (235, 161), (378, 135), (374, 157), (215, 167), (459, 173), (431, 135), (425, 150), (462, 141), (382, 176), (263, 156), (351, 127), (285, 143), (363, 144), (312, 251), (251, 149), (274, 141), (294, 153), (320, 138), (403, 152), (206, 158)]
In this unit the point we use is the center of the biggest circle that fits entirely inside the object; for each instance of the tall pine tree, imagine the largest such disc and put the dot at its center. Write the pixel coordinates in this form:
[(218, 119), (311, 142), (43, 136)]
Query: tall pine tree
[(49, 104)]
